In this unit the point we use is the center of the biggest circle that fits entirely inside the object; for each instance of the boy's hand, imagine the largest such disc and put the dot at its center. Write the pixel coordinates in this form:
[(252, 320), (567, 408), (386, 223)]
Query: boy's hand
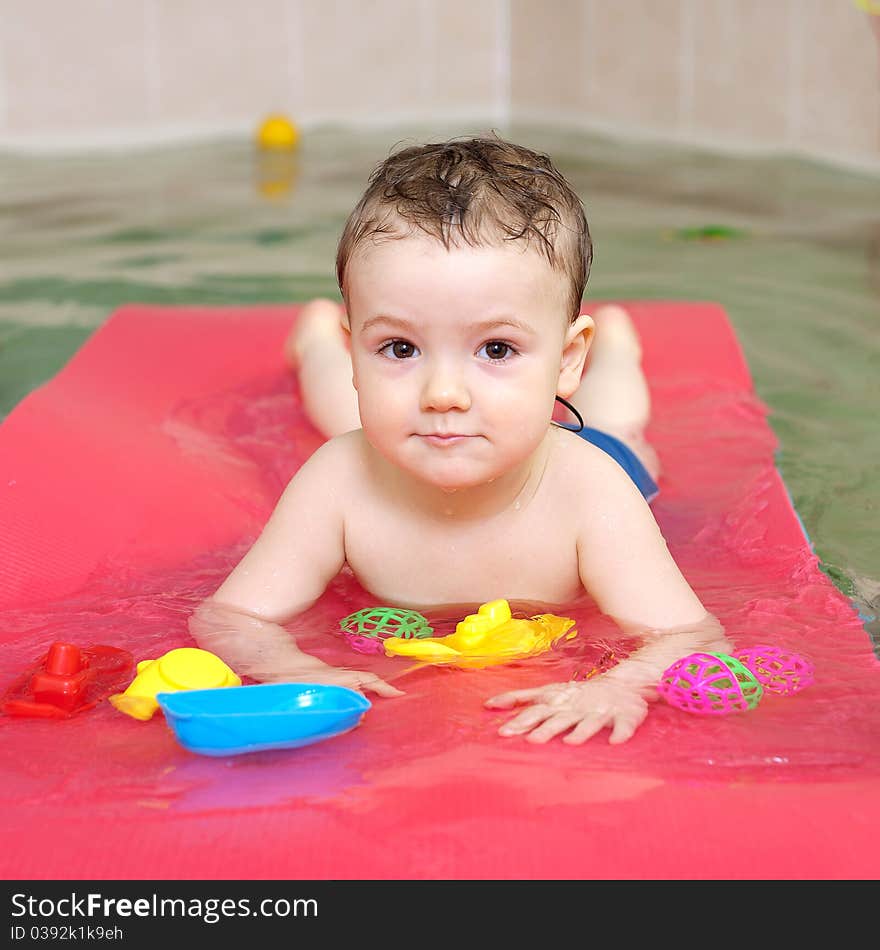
[(318, 672), (584, 708)]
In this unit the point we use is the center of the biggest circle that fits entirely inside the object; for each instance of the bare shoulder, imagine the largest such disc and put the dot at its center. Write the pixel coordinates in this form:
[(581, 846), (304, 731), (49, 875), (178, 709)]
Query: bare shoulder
[(321, 486), (301, 546), (334, 464), (592, 483), (342, 451)]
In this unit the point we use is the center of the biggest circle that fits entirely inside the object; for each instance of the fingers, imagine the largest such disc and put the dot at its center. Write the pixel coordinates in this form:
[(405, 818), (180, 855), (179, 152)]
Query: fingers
[(506, 700), (542, 722), (555, 725), (358, 680), (525, 721), (587, 728), (626, 725), (368, 681), (381, 688)]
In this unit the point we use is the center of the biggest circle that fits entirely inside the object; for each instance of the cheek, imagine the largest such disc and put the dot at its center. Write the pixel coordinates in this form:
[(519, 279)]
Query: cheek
[(374, 385), (382, 402), (519, 417), (527, 394)]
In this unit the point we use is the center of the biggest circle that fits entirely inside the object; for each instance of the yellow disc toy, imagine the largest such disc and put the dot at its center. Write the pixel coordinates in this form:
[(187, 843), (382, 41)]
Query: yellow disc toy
[(184, 668)]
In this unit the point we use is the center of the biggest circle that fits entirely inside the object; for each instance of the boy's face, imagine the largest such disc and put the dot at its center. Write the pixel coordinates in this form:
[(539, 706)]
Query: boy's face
[(458, 355)]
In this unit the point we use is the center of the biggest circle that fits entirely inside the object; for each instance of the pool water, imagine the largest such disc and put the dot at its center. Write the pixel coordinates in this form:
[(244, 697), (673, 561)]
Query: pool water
[(790, 248)]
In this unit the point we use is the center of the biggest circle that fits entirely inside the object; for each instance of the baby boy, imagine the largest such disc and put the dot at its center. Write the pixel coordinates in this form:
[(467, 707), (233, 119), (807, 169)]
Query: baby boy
[(462, 270)]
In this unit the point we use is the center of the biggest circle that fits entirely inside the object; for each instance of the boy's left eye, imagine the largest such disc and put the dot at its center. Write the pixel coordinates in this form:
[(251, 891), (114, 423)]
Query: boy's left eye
[(497, 350)]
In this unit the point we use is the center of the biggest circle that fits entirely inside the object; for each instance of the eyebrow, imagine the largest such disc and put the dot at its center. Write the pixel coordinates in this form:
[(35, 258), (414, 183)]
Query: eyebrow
[(483, 326)]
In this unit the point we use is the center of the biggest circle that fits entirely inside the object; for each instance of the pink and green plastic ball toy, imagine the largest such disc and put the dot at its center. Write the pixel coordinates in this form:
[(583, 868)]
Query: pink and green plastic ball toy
[(365, 629), (713, 684), (778, 671), (718, 684)]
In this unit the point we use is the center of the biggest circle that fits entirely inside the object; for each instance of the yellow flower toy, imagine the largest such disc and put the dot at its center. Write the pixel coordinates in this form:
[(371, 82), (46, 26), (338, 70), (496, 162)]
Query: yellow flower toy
[(184, 668), (489, 637)]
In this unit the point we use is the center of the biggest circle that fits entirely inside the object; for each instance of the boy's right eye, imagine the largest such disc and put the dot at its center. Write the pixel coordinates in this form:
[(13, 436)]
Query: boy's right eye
[(399, 349)]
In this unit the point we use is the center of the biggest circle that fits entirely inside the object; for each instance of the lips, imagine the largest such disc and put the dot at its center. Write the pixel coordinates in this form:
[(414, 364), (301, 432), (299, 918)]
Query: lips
[(445, 438)]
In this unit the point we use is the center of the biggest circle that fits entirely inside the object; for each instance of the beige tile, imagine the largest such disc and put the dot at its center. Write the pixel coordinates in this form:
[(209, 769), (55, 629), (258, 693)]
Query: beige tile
[(466, 67), (364, 61), (70, 68), (836, 107), (634, 63), (741, 63), (548, 56), (220, 62)]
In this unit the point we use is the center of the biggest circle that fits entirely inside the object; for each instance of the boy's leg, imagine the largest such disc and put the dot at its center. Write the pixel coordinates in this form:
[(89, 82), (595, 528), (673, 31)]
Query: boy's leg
[(613, 394), (316, 349)]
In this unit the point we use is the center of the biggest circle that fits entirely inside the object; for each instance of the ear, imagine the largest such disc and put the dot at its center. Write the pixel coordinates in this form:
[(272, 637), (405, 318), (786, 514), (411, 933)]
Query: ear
[(345, 323), (344, 318), (575, 347)]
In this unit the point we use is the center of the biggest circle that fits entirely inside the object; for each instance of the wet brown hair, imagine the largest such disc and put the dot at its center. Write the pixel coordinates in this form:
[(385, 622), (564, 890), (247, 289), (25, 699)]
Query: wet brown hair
[(477, 191)]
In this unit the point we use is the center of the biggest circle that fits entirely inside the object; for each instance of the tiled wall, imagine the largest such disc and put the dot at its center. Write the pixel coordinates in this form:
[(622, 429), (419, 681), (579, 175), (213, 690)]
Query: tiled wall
[(80, 71), (796, 74)]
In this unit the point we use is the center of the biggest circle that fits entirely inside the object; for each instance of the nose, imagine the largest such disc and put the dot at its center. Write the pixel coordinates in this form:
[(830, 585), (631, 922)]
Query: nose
[(444, 388)]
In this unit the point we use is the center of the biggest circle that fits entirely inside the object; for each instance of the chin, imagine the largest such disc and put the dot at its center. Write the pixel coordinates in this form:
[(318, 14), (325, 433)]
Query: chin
[(453, 480), (450, 484)]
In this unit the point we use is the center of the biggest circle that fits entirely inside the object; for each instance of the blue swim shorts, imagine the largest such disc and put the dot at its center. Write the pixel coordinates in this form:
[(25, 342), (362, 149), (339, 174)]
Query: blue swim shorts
[(622, 454)]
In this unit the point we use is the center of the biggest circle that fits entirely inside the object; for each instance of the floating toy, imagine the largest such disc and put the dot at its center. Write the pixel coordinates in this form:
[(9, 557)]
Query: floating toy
[(182, 669), (365, 630), (68, 680), (710, 684), (487, 638), (277, 133), (264, 716), (777, 670)]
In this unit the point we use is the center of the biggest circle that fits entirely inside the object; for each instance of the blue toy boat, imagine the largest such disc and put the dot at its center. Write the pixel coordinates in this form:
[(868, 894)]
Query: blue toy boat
[(236, 719)]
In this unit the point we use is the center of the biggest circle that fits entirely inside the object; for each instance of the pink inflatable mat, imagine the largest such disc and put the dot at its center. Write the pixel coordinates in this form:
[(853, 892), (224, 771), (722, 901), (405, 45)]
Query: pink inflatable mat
[(135, 479)]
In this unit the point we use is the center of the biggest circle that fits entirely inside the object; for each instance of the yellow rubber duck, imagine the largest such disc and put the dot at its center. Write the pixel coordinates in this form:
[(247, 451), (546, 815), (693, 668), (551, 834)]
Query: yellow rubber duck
[(489, 637), (184, 668)]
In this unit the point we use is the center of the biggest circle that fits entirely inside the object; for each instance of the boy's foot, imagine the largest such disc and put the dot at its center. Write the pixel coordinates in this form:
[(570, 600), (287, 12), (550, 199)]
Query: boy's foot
[(615, 335), (613, 395), (316, 350), (319, 321)]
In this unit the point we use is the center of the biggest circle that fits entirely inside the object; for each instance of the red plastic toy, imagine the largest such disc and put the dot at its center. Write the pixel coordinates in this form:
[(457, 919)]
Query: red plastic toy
[(68, 680)]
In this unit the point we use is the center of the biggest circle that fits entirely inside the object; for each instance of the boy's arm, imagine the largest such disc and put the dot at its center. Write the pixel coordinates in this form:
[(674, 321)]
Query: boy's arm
[(299, 551), (623, 560), (625, 565)]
